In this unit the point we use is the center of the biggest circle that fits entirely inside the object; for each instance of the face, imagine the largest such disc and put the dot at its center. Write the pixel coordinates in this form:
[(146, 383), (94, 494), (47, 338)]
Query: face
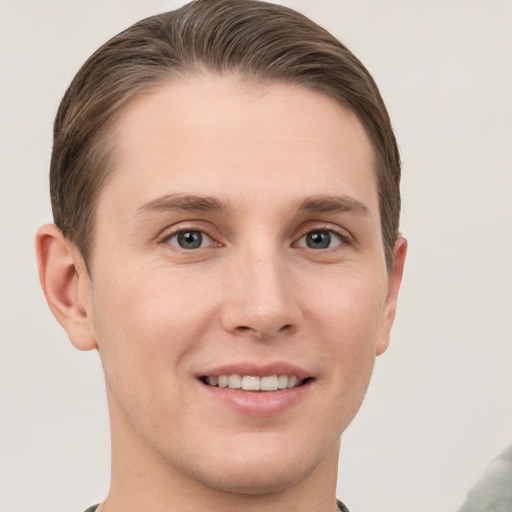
[(239, 292)]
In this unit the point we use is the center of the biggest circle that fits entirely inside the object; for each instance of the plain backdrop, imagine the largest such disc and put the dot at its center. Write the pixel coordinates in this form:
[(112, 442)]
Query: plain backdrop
[(439, 406)]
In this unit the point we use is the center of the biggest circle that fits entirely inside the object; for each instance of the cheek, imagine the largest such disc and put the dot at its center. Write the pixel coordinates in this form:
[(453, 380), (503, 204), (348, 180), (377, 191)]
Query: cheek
[(146, 320), (349, 316), (350, 309)]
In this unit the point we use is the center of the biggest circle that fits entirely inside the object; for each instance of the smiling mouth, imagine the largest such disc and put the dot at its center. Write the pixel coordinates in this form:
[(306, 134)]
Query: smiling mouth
[(254, 383)]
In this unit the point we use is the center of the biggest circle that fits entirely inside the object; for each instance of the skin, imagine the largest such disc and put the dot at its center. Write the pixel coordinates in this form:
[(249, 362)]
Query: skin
[(276, 162)]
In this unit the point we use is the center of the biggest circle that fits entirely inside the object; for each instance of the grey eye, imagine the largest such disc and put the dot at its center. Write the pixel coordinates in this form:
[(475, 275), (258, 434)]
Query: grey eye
[(318, 240), (321, 239), (189, 239)]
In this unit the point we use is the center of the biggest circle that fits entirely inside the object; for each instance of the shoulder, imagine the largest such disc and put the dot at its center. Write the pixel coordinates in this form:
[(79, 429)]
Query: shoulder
[(341, 507)]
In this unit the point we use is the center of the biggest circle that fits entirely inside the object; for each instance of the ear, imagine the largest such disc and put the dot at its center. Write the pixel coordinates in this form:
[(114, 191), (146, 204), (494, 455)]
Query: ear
[(394, 281), (66, 284)]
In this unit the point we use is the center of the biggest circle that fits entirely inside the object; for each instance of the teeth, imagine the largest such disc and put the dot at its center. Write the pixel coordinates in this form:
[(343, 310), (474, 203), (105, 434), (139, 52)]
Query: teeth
[(234, 381), (292, 381), (253, 383), (250, 383), (269, 383), (213, 381), (282, 381)]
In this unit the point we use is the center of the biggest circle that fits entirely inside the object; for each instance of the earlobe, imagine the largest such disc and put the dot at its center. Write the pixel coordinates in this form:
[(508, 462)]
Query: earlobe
[(395, 279), (66, 285)]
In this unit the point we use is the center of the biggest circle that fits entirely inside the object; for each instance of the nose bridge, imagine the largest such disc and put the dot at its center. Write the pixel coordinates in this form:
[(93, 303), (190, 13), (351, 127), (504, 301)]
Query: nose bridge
[(260, 298)]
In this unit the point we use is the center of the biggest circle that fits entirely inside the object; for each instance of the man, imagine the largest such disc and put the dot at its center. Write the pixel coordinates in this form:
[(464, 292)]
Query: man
[(225, 189)]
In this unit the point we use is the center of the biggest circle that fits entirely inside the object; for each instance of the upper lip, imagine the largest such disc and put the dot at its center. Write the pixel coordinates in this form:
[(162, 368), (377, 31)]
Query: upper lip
[(257, 370)]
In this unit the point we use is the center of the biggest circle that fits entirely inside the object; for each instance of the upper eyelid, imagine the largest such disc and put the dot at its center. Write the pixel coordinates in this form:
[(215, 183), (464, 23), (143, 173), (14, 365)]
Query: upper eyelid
[(342, 240), (344, 234), (209, 242), (193, 225), (167, 236), (185, 230)]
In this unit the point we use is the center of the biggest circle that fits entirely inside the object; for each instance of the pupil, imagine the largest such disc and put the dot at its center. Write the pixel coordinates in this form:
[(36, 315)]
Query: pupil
[(190, 239), (318, 240)]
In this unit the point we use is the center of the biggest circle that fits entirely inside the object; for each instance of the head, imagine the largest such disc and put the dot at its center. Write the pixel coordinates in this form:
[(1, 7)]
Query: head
[(225, 185)]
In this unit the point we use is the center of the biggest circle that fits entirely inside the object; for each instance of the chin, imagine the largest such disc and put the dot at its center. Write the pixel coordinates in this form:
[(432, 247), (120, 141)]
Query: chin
[(256, 478), (261, 467)]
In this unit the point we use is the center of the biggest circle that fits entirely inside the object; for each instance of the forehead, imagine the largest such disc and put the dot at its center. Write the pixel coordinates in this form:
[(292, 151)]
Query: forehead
[(221, 135)]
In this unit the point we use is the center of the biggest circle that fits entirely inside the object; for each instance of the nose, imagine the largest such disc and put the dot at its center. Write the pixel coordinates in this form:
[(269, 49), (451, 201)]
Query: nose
[(260, 297)]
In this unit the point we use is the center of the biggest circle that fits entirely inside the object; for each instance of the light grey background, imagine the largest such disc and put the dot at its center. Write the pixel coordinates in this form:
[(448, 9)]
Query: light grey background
[(438, 409)]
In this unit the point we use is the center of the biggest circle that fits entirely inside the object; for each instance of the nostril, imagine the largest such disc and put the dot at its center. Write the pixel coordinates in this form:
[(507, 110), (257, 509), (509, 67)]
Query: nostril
[(263, 334)]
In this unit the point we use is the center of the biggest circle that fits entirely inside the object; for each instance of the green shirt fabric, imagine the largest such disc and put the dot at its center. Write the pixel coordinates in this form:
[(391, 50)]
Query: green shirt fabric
[(341, 507)]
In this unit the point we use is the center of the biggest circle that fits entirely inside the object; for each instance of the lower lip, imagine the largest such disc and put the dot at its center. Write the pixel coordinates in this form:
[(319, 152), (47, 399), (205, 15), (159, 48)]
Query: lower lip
[(259, 403)]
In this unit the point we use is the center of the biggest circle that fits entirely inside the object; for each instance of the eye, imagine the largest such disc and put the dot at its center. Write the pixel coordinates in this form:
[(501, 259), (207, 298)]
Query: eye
[(320, 239), (189, 239)]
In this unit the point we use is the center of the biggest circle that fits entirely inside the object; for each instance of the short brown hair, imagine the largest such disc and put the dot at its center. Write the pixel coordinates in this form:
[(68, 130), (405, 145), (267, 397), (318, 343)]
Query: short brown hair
[(261, 41)]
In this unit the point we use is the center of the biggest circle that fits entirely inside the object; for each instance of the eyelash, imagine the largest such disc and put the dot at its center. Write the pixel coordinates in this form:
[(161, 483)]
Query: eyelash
[(183, 231), (343, 237)]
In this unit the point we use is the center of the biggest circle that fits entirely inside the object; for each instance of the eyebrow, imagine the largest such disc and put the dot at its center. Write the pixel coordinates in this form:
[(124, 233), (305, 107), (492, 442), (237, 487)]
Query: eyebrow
[(334, 204), (184, 202)]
